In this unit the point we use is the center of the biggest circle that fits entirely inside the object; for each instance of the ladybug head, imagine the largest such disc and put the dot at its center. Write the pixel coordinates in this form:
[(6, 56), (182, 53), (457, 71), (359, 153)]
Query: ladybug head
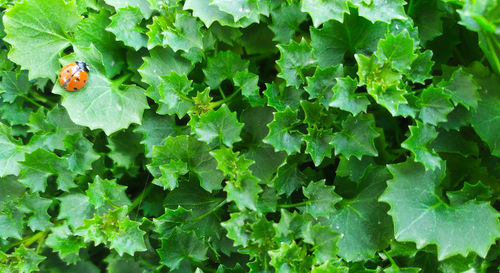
[(83, 66)]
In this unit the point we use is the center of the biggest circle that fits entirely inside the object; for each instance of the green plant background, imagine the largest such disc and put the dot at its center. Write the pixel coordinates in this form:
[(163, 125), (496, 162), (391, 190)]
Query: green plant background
[(250, 136)]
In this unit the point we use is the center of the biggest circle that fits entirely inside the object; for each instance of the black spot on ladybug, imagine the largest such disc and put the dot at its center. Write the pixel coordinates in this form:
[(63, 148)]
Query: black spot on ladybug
[(75, 88), (67, 70), (77, 79), (84, 80)]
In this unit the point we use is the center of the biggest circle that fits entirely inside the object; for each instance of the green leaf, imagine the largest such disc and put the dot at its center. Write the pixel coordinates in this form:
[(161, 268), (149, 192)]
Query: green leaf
[(125, 26), (194, 153), (435, 105), (13, 85), (422, 217), (248, 82), (37, 205), (280, 96), (170, 174), (357, 137), (174, 90), (363, 214), (129, 238), (75, 207), (244, 191), (321, 199), (103, 98), (469, 192), (345, 98), (323, 11), (237, 227), (463, 89), (289, 258), (295, 58), (39, 165), (223, 66), (107, 194), (155, 129), (286, 20), (320, 85), (398, 50), (181, 246), (144, 6), (40, 24), (421, 67), (162, 61), (82, 153), (184, 34), (282, 133), (11, 222), (231, 163), (381, 10), (239, 9), (209, 13), (221, 125), (324, 241), (12, 152), (318, 144), (28, 259), (419, 144), (288, 179), (334, 40), (62, 240), (125, 147)]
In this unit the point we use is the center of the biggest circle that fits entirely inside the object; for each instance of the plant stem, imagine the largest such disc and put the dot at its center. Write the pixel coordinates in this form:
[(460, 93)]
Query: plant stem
[(220, 102), (139, 198), (43, 99), (32, 101), (222, 92), (121, 79), (293, 205), (209, 212)]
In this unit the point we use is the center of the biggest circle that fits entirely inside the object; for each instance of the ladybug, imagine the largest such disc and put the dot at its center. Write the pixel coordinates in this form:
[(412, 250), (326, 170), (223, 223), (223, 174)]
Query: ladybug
[(74, 76)]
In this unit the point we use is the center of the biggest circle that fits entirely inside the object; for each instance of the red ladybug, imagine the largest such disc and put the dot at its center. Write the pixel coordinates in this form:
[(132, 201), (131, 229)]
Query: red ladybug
[(74, 76)]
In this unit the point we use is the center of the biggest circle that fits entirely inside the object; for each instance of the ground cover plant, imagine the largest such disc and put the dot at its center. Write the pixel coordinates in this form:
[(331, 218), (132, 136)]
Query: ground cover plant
[(250, 136)]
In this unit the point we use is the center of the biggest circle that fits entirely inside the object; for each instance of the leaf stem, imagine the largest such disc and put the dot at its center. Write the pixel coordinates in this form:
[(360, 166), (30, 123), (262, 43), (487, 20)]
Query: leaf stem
[(390, 259), (293, 205), (28, 240), (32, 101), (220, 102), (121, 79), (139, 198), (222, 92), (209, 212), (42, 99)]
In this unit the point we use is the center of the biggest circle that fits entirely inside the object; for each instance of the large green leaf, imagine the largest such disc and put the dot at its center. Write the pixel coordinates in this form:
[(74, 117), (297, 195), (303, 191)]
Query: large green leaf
[(420, 215), (42, 25)]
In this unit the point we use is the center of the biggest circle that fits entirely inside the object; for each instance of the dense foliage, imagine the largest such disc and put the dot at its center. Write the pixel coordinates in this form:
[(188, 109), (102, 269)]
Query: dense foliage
[(250, 136)]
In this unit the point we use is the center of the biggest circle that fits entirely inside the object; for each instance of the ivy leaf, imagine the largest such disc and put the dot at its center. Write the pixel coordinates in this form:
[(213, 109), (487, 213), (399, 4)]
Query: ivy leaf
[(124, 148), (321, 197), (286, 20), (288, 179), (62, 240), (244, 191), (397, 50), (155, 129), (324, 240), (295, 58), (289, 258), (243, 8), (28, 259), (103, 98), (320, 85), (422, 217), (282, 135), (231, 163), (221, 125), (75, 207), (421, 67), (170, 174), (223, 66), (144, 6), (354, 35), (435, 105), (82, 155), (322, 11), (318, 144), (463, 89), (363, 214), (125, 26), (345, 98), (194, 153), (12, 152), (184, 34), (381, 10), (107, 194), (280, 96), (11, 222), (209, 13), (129, 238), (174, 91), (37, 205), (162, 61), (248, 82), (181, 246), (419, 144), (13, 85), (357, 137), (42, 25), (39, 165)]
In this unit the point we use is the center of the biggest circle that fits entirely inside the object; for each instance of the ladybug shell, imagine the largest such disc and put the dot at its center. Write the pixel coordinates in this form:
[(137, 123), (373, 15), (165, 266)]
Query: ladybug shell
[(74, 76)]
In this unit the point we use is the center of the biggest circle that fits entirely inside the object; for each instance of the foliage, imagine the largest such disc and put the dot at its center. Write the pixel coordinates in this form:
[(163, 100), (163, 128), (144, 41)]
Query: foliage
[(250, 136)]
